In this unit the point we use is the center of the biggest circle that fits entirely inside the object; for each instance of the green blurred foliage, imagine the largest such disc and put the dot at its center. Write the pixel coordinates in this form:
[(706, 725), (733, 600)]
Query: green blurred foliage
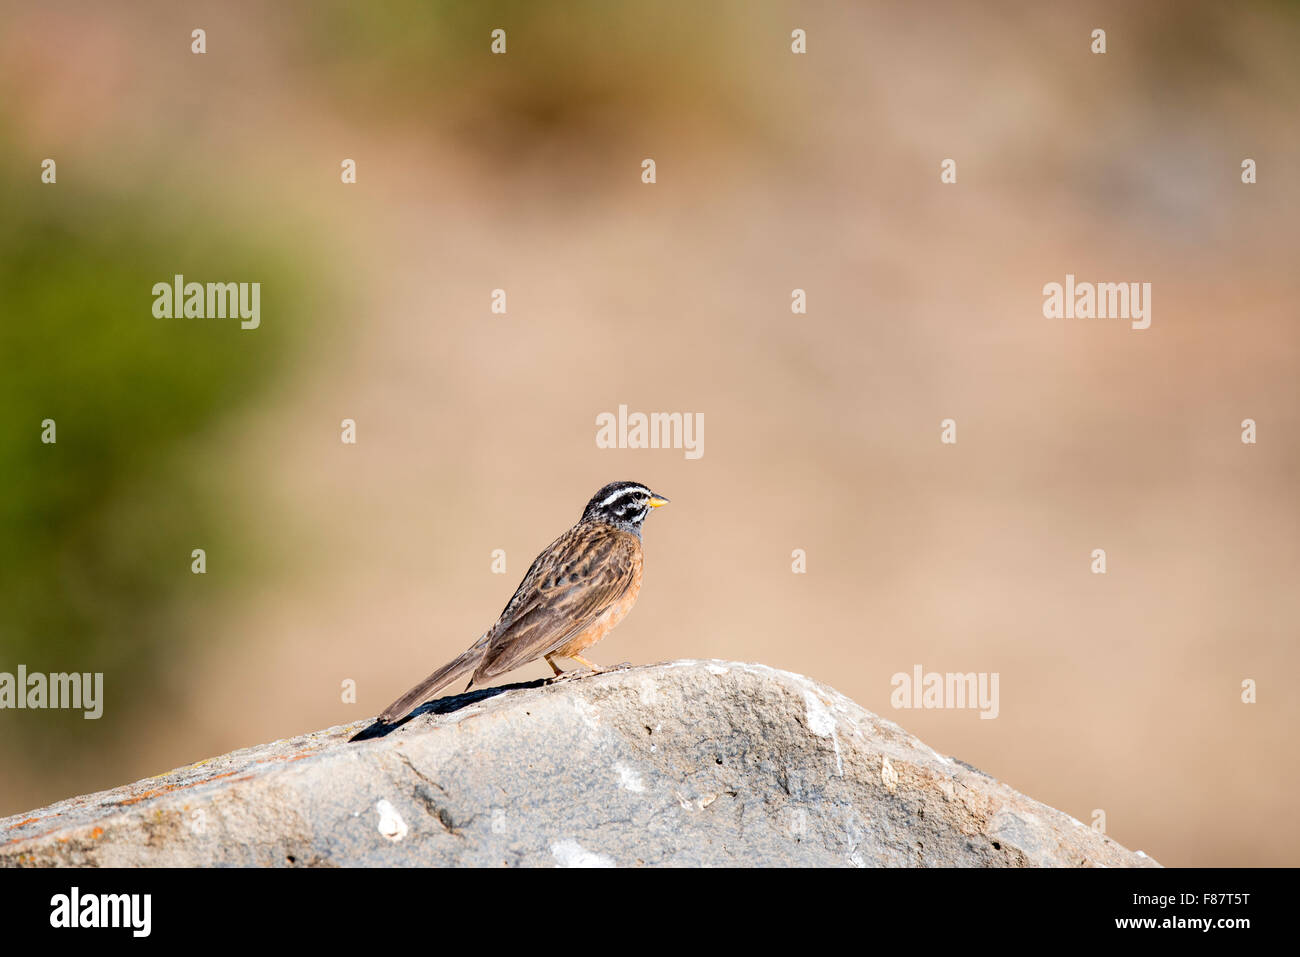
[(96, 530)]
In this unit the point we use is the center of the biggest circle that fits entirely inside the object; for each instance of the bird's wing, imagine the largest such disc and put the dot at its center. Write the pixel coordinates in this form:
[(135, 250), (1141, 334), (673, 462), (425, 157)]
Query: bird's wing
[(569, 586)]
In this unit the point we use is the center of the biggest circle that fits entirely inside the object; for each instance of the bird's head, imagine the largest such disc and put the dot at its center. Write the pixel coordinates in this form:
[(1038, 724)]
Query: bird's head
[(625, 504)]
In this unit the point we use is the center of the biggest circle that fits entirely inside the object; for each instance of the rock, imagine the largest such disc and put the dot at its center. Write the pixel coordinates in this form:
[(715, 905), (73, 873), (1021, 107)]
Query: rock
[(689, 763)]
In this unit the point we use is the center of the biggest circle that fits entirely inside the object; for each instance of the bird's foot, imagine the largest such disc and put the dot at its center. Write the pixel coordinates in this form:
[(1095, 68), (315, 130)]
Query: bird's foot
[(588, 668)]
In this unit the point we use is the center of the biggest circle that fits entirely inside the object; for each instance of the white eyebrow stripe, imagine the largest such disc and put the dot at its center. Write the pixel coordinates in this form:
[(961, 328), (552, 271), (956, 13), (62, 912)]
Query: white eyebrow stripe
[(626, 490)]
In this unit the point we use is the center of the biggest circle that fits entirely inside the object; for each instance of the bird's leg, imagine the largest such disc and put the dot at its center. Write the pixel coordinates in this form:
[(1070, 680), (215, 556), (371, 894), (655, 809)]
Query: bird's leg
[(567, 675), (602, 669), (559, 675), (590, 666)]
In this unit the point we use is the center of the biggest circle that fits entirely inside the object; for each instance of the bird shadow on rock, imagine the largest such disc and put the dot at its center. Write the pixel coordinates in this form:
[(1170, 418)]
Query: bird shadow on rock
[(447, 705)]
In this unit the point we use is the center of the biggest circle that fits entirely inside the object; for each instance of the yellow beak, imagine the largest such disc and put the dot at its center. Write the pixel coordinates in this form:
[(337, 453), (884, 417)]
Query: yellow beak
[(656, 501)]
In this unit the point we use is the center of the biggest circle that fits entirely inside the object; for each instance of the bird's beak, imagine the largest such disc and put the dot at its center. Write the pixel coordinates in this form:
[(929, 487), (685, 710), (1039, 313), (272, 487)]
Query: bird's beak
[(656, 501)]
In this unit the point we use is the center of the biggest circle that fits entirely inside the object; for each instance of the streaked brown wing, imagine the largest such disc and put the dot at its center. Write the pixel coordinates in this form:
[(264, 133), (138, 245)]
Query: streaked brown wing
[(570, 585)]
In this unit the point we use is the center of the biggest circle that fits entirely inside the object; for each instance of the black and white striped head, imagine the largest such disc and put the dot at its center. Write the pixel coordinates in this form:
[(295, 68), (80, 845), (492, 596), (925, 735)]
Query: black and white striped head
[(625, 504)]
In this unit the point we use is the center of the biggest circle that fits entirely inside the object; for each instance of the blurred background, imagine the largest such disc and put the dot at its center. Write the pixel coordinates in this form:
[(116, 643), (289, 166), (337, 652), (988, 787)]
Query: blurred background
[(329, 562)]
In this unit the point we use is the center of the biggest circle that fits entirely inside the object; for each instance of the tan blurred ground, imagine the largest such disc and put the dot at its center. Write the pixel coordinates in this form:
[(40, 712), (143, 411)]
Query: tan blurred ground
[(1118, 693)]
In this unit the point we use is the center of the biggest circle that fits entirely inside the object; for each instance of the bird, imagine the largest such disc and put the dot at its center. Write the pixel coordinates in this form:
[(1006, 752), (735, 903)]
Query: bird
[(575, 592)]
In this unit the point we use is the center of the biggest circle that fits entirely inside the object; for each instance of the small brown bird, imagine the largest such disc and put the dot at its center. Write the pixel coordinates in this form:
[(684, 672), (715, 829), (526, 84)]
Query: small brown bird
[(576, 591)]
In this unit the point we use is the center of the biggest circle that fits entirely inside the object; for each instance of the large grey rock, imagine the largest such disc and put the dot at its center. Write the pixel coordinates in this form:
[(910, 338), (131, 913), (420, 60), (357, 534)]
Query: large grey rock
[(695, 762)]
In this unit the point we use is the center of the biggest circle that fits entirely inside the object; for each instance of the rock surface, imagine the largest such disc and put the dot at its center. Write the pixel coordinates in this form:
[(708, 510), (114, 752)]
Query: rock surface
[(689, 763)]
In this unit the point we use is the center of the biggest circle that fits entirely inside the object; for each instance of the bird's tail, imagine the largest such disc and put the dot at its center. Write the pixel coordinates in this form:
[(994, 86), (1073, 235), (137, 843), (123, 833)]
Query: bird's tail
[(444, 676)]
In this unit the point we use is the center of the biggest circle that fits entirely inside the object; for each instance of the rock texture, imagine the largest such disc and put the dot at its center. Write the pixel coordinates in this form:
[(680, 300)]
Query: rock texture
[(690, 763)]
